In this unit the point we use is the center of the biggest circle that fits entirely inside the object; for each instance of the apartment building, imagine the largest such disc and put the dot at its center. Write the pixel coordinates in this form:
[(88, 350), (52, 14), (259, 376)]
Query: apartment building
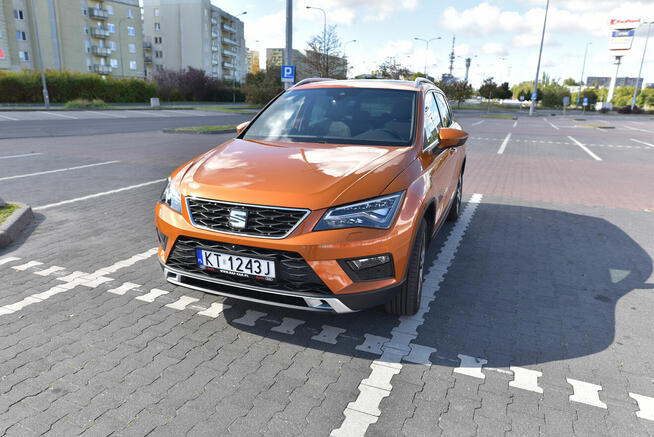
[(252, 62), (101, 36), (194, 33)]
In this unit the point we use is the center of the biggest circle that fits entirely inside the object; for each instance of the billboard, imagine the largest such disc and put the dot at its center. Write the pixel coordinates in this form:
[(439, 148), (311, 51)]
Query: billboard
[(621, 39), (626, 23)]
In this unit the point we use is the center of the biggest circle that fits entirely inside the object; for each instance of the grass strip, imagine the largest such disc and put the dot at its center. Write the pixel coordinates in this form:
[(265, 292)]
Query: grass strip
[(5, 211), (506, 116), (206, 128)]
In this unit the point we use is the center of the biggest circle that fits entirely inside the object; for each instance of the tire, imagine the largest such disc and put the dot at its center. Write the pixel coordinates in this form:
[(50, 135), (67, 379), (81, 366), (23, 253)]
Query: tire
[(407, 301), (455, 208)]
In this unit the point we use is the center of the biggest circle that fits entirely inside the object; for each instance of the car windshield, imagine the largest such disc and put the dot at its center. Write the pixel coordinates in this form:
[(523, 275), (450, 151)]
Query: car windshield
[(364, 116)]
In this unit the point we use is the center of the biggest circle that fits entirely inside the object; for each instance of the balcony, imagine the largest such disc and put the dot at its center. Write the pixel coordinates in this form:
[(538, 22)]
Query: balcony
[(215, 35), (102, 69), (100, 51), (228, 65), (229, 28), (99, 32), (228, 76), (147, 45), (215, 48), (98, 14), (229, 53), (147, 59), (229, 41), (215, 62), (214, 21)]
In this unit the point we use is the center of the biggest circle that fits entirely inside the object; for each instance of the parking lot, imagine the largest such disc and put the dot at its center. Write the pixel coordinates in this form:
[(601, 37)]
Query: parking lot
[(538, 303)]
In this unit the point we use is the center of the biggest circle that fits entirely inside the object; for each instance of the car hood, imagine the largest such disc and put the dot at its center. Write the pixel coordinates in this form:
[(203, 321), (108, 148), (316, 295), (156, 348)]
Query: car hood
[(304, 175)]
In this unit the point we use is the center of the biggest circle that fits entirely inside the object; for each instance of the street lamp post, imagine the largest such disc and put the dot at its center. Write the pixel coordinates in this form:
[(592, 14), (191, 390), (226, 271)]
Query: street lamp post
[(46, 97), (640, 70), (234, 69), (120, 43), (324, 40), (426, 41), (345, 57), (540, 53), (583, 67)]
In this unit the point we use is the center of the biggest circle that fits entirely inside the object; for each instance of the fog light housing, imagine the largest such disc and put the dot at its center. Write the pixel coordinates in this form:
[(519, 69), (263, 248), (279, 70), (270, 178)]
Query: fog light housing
[(369, 268), (163, 239)]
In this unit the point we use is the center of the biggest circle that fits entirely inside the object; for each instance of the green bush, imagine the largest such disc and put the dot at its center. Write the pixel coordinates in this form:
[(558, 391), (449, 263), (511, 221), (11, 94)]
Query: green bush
[(63, 86), (646, 98), (85, 104), (622, 96), (262, 87)]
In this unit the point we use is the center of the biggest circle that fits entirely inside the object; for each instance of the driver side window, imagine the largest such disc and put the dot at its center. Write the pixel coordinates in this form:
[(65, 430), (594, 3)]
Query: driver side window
[(432, 121)]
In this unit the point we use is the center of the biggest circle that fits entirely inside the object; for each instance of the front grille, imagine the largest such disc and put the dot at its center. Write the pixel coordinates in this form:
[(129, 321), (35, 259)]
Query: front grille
[(266, 222), (293, 272)]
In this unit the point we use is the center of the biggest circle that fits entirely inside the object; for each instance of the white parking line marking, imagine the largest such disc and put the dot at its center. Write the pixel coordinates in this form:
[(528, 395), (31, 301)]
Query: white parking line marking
[(328, 334), (59, 170), (58, 115), (515, 123), (78, 278), (645, 405), (49, 271), (27, 265), (642, 142), (124, 288), (9, 118), (638, 129), (585, 393), (585, 149), (152, 295), (372, 344), (288, 326), (109, 114), (420, 354), (182, 303), (477, 123), (526, 379), (471, 366), (24, 155), (215, 310), (147, 113), (93, 196), (8, 259), (504, 143), (365, 409), (250, 318)]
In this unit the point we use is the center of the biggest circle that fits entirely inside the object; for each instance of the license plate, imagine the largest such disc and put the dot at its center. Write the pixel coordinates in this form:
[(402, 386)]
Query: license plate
[(236, 265)]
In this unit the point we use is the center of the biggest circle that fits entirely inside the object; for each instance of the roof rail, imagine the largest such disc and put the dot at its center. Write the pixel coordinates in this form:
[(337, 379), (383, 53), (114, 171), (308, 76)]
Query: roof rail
[(312, 79), (420, 80)]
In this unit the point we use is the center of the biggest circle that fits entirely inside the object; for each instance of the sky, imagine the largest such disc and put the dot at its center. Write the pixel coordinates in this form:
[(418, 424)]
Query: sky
[(502, 36)]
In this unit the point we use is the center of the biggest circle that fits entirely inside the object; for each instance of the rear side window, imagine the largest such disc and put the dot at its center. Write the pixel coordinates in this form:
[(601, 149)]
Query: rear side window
[(432, 120), (444, 110)]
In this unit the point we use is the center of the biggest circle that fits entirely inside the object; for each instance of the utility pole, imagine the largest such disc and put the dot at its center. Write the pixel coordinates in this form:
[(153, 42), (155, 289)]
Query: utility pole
[(452, 56), (640, 70), (289, 37), (46, 97), (581, 80), (540, 53)]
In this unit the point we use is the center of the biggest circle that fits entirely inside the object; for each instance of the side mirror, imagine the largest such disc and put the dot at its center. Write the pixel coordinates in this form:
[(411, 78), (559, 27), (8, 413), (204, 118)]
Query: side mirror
[(449, 137), (241, 127)]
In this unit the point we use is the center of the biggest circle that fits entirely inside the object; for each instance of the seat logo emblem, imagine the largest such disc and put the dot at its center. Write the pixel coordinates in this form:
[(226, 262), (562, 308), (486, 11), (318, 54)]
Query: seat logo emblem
[(238, 218)]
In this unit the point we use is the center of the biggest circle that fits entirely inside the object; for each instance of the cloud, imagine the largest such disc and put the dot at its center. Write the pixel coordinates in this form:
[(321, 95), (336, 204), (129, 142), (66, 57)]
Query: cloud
[(494, 49), (348, 12)]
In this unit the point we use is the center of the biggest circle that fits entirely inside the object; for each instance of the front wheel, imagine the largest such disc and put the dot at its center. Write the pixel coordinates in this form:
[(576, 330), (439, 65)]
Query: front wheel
[(455, 209), (407, 301)]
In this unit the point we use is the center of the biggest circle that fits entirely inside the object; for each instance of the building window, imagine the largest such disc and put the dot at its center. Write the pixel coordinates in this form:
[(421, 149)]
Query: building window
[(87, 45), (156, 12), (86, 30), (157, 26), (89, 65), (114, 63), (0, 33), (20, 35), (110, 9), (132, 65), (130, 13), (158, 54), (130, 31), (112, 45), (23, 55), (111, 27), (84, 13), (132, 48), (18, 14), (157, 40)]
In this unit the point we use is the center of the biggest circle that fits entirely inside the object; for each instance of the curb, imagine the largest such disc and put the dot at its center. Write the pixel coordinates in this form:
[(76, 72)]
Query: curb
[(192, 132), (15, 223)]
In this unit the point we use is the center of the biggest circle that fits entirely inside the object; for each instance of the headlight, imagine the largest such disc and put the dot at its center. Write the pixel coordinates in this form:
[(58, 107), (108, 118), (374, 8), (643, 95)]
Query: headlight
[(171, 197), (374, 213)]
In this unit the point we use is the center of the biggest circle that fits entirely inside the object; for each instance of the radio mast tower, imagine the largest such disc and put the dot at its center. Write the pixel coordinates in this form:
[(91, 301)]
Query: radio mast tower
[(452, 56)]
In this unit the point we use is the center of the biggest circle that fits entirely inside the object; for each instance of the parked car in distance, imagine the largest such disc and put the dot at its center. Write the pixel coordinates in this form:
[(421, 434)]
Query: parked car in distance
[(325, 201)]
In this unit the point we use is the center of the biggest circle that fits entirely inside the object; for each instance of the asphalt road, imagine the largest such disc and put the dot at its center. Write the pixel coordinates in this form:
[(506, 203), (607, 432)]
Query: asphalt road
[(539, 321), (30, 124)]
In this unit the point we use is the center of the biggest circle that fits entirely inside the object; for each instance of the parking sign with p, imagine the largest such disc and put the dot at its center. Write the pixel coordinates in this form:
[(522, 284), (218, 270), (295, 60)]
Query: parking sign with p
[(288, 73)]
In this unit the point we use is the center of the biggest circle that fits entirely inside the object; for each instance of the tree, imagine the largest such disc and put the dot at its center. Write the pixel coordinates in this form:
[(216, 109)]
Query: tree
[(322, 56), (590, 93), (264, 85), (646, 98), (456, 90), (571, 82), (623, 96), (417, 74), (503, 91), (392, 69), (488, 89)]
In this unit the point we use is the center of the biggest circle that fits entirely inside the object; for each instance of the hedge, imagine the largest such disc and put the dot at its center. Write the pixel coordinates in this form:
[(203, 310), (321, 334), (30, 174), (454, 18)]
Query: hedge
[(25, 87)]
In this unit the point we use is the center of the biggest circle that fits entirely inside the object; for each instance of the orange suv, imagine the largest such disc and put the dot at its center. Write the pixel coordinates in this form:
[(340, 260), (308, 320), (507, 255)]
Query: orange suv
[(325, 201)]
